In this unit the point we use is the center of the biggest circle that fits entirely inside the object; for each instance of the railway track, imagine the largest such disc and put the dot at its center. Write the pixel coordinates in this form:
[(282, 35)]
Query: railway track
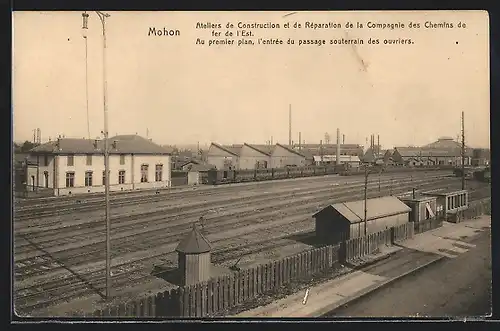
[(83, 203), (92, 197), (126, 271), (30, 225), (57, 235)]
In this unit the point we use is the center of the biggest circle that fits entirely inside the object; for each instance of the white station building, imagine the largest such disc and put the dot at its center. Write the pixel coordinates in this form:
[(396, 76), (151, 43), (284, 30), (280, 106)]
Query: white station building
[(75, 166)]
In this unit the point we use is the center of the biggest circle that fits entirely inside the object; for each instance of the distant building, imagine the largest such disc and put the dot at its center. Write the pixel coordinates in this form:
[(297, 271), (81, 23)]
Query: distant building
[(444, 151), (480, 157), (349, 160), (73, 166), (247, 156)]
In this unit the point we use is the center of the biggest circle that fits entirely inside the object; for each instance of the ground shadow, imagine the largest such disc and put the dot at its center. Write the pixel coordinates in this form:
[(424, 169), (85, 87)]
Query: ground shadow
[(168, 274), (61, 263), (308, 238)]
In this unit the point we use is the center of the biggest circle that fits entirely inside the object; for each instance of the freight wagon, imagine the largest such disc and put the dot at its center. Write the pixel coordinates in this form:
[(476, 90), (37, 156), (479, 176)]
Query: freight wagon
[(217, 177)]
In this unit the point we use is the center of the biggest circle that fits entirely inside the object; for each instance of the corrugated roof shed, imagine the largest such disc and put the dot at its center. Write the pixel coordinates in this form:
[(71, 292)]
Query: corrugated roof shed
[(125, 144), (194, 243), (376, 208)]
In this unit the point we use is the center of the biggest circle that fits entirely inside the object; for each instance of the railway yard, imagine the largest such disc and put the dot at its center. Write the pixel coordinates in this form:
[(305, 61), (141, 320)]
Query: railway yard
[(59, 247)]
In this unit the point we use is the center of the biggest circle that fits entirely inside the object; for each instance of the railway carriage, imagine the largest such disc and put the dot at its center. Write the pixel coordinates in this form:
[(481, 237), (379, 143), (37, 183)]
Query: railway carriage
[(280, 173), (244, 176)]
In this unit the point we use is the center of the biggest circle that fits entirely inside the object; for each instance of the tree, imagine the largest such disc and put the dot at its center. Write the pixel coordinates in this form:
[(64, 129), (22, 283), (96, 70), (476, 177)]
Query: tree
[(27, 146)]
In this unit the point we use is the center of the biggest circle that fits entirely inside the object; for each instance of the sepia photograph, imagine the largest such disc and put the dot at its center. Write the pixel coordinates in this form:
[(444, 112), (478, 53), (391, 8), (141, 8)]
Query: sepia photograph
[(243, 165)]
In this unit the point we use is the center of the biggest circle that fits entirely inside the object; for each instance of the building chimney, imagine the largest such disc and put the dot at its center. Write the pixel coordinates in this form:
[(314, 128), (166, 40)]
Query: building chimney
[(114, 144), (378, 145), (290, 125), (338, 147), (271, 140), (343, 139), (300, 139)]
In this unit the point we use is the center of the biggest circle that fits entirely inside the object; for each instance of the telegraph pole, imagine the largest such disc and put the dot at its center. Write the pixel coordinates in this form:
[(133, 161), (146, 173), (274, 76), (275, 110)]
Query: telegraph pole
[(102, 17), (463, 153)]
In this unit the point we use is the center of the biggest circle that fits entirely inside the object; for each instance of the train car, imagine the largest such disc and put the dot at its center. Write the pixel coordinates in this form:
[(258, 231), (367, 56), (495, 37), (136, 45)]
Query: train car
[(450, 204), (308, 171), (294, 172), (244, 176), (279, 173), (263, 174)]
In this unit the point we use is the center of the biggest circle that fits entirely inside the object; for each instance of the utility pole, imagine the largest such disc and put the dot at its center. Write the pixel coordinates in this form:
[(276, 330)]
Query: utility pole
[(102, 17), (290, 125), (366, 195), (463, 152)]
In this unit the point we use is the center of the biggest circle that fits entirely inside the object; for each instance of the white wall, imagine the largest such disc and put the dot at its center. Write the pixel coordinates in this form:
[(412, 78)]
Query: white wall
[(249, 157), (282, 157), (217, 157), (132, 168)]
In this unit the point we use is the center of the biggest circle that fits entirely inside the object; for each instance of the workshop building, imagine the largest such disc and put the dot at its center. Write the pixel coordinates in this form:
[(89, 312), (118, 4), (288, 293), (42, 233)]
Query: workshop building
[(346, 220)]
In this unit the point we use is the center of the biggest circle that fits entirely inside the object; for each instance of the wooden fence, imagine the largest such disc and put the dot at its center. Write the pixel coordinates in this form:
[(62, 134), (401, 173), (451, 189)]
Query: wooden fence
[(361, 246), (402, 232), (428, 225), (225, 292)]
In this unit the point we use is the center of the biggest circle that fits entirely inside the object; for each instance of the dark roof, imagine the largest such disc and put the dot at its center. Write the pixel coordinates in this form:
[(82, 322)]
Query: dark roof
[(125, 144), (194, 243), (369, 156), (375, 208)]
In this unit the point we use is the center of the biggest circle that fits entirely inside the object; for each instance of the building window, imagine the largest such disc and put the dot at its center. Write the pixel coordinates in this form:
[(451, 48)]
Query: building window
[(89, 160), (70, 179), (121, 177), (88, 178), (158, 172), (70, 161), (144, 173), (104, 177), (46, 175), (122, 159), (45, 160)]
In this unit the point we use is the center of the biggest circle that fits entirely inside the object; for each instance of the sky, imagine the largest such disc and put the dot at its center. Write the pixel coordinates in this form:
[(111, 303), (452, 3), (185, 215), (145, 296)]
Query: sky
[(177, 92)]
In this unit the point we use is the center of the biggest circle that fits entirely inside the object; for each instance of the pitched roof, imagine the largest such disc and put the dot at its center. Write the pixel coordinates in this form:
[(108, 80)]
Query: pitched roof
[(231, 149), (194, 243), (369, 156), (375, 208), (290, 149), (125, 144), (264, 149)]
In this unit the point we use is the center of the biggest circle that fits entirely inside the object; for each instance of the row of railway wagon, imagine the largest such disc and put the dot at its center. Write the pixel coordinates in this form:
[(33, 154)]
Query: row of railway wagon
[(217, 177), (482, 174)]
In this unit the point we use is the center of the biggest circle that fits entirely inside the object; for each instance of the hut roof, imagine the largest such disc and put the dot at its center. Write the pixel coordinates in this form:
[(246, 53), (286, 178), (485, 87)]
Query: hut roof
[(194, 243)]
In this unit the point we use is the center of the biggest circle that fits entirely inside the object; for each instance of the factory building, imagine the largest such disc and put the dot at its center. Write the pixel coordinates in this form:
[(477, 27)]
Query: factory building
[(344, 221), (480, 157), (445, 151), (224, 157), (255, 156), (247, 156), (284, 156), (73, 166), (350, 160)]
